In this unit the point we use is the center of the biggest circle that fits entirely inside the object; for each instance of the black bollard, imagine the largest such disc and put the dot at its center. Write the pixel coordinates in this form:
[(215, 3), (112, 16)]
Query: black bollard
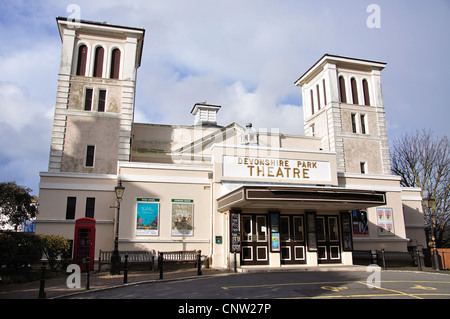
[(160, 265), (384, 259), (125, 271), (419, 263), (199, 263), (42, 293), (88, 264), (235, 262)]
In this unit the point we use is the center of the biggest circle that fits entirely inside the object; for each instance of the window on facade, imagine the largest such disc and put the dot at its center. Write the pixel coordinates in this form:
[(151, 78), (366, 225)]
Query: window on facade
[(313, 130), (354, 123), (354, 91), (342, 89), (101, 100), (98, 62), (363, 167), (324, 93), (90, 207), (366, 92), (88, 99), (82, 59), (312, 102), (318, 97), (70, 208), (115, 64), (90, 151), (363, 124)]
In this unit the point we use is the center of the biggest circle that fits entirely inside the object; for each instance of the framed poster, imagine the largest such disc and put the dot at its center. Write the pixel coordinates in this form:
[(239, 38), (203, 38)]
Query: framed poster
[(235, 227), (311, 231), (235, 231), (275, 239), (346, 229), (385, 222), (275, 222), (360, 222), (182, 217), (147, 217), (235, 242)]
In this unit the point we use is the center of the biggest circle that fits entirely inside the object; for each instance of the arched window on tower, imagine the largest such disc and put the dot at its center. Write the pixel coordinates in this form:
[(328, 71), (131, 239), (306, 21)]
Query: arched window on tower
[(366, 92), (82, 59), (354, 91), (342, 89), (324, 93), (115, 64), (98, 62), (312, 102)]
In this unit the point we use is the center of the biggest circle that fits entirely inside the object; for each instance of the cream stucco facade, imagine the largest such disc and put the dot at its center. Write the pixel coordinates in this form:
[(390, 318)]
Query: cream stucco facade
[(275, 199)]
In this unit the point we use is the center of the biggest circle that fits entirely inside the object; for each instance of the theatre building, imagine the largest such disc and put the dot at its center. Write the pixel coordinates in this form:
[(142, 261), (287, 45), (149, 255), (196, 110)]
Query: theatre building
[(274, 199)]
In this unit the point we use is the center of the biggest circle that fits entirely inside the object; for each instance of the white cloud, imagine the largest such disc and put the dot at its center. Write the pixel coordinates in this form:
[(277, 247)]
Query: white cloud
[(25, 126)]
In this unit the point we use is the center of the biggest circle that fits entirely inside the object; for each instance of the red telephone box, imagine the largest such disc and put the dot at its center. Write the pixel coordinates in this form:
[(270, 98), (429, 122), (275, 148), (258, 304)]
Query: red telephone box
[(84, 242)]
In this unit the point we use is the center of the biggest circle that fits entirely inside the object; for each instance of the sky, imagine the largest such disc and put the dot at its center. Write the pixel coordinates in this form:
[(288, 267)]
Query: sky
[(241, 54)]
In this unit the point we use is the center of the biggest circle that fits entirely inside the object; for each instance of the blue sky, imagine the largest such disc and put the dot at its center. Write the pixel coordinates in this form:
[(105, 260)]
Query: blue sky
[(242, 54)]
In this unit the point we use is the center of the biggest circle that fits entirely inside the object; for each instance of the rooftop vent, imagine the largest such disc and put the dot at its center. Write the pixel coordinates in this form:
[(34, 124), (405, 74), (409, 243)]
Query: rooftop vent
[(205, 114), (250, 137)]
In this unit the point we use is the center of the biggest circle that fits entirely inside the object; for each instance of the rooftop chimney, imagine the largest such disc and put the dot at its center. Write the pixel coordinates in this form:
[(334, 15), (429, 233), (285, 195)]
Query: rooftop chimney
[(205, 114)]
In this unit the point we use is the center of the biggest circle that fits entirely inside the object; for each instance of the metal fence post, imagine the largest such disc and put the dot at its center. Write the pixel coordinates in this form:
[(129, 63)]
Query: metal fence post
[(384, 259), (199, 269)]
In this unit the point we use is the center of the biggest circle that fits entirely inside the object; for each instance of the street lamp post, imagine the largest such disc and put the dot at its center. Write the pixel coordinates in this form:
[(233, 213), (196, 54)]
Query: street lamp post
[(115, 257), (431, 204)]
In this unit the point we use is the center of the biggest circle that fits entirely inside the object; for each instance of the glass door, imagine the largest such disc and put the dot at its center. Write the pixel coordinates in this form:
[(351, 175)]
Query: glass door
[(292, 236), (328, 240), (254, 240)]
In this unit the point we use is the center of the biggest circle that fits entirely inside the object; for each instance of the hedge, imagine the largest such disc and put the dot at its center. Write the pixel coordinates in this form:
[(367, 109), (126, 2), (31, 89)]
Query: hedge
[(19, 250)]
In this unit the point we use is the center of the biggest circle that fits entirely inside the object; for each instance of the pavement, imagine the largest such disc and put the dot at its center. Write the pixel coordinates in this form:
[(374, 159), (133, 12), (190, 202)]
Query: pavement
[(57, 287)]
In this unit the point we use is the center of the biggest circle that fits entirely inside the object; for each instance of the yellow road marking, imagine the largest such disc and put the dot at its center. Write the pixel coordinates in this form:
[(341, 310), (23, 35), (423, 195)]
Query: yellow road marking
[(422, 287), (391, 290), (342, 296), (333, 289), (289, 284)]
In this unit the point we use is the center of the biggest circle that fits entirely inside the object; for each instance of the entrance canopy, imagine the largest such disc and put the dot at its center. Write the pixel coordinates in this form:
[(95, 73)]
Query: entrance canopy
[(313, 198)]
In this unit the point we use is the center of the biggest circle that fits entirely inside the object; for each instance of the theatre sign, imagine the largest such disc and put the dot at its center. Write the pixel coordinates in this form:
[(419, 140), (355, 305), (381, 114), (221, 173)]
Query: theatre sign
[(300, 170)]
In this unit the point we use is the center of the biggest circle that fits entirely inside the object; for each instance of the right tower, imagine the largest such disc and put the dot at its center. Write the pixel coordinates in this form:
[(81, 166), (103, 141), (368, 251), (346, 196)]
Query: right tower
[(343, 105)]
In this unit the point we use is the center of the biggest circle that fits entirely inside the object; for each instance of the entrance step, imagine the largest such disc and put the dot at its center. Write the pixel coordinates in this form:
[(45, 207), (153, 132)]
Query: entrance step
[(297, 268)]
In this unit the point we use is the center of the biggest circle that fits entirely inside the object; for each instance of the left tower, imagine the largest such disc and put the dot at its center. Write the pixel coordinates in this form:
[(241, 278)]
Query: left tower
[(95, 96)]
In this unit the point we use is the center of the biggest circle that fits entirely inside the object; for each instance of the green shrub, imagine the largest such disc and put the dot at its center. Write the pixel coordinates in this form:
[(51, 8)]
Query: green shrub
[(55, 247), (18, 250)]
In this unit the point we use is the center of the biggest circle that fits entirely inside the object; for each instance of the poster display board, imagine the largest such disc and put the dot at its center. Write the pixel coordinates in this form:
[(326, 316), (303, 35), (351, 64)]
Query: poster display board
[(311, 231), (235, 231), (147, 217), (385, 222), (360, 222), (275, 231), (346, 228), (182, 217)]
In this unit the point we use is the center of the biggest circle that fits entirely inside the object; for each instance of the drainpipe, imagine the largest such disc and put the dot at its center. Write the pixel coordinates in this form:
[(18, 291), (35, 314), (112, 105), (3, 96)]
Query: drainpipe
[(211, 236)]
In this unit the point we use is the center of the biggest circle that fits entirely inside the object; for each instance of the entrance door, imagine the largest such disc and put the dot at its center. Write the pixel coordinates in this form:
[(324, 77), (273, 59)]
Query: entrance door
[(255, 248), (328, 242), (292, 236)]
